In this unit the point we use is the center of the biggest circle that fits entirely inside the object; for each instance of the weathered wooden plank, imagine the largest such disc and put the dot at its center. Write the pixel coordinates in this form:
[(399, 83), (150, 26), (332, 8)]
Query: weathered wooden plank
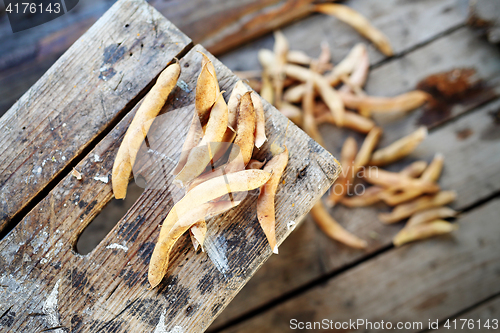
[(459, 50), (473, 179), (107, 289), (430, 280), (406, 24), (478, 318), (88, 88), (28, 54), (471, 168), (484, 15)]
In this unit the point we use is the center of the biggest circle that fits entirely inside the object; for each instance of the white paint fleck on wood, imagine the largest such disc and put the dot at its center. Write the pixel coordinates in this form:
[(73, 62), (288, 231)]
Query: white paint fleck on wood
[(103, 179), (50, 308), (37, 171), (183, 85), (161, 327), (216, 248), (117, 246)]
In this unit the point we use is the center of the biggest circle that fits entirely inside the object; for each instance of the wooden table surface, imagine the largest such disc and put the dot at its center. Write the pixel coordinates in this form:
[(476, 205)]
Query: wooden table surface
[(315, 278), (75, 116), (452, 277)]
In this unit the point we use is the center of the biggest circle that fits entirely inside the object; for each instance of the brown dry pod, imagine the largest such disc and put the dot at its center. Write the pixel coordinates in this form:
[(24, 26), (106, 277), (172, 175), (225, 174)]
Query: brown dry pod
[(139, 127), (265, 201), (333, 229)]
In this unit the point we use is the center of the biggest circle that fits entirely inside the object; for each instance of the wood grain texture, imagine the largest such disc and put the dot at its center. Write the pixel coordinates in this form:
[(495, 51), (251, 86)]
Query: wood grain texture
[(88, 88), (406, 24), (484, 15), (219, 25), (429, 280), (471, 167), (107, 289), (461, 49), (28, 54), (470, 164)]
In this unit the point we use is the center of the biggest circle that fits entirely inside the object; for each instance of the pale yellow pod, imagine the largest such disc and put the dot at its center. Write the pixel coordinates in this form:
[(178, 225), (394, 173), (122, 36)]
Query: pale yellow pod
[(298, 57), (234, 100), (294, 94), (367, 147), (434, 170), (194, 135), (210, 190), (200, 156), (406, 210), (160, 258), (359, 75), (344, 68), (358, 22), (352, 120), (245, 134), (414, 169), (260, 120), (139, 127), (255, 164), (328, 94), (431, 174), (267, 61), (369, 197), (399, 148), (430, 215), (266, 58), (309, 122), (265, 201), (398, 181), (281, 48), (347, 65), (207, 89), (238, 156), (423, 231), (347, 156), (384, 178), (367, 105), (299, 73), (267, 90), (197, 233), (333, 229), (323, 63), (332, 99), (220, 148), (215, 187)]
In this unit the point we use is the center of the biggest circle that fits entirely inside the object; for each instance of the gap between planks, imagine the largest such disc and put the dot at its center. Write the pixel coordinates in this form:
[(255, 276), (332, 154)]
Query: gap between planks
[(417, 46), (51, 184), (323, 279), (465, 221)]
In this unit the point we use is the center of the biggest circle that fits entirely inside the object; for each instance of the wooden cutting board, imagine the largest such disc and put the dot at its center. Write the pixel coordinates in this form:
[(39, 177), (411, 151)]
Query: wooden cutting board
[(75, 116)]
